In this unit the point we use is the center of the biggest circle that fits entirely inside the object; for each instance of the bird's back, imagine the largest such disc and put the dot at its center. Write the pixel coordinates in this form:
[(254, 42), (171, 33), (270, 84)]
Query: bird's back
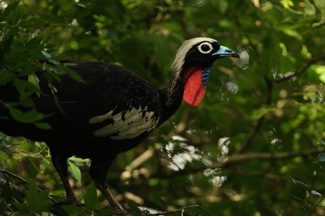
[(112, 109)]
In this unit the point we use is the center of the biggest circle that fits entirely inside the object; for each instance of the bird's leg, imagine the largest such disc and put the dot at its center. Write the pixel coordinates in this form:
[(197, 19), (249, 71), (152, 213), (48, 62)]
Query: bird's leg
[(98, 171), (71, 198), (116, 206), (60, 164)]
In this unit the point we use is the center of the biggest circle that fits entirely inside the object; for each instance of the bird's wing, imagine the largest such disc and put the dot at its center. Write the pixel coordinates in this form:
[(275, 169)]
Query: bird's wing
[(112, 103), (126, 124)]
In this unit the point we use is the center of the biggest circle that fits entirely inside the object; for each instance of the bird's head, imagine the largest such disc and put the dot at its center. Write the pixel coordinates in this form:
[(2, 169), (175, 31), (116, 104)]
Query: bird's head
[(192, 64)]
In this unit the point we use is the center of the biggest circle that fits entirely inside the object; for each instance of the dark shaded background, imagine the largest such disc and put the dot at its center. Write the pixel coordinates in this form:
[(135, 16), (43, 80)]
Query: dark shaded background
[(254, 146)]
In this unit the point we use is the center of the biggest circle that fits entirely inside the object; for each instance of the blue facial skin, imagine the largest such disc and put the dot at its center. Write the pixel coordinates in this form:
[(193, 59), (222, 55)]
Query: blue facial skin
[(222, 52), (225, 52)]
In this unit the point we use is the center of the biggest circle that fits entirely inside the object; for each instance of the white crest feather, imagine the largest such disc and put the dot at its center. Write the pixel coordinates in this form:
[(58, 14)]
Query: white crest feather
[(182, 51)]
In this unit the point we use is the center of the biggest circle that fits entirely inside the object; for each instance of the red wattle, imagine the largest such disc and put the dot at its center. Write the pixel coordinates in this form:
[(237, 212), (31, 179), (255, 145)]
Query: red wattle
[(194, 90)]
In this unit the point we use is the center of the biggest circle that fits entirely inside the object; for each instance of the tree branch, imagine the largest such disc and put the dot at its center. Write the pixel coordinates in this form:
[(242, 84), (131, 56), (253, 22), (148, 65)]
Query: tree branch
[(302, 70), (238, 158), (242, 158), (8, 173), (270, 84), (183, 209), (265, 174)]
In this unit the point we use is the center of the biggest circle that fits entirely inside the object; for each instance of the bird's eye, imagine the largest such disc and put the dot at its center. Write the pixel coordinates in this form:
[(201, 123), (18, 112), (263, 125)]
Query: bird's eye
[(205, 48)]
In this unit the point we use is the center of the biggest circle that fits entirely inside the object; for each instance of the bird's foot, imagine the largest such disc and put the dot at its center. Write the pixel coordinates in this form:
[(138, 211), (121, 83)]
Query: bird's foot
[(118, 209)]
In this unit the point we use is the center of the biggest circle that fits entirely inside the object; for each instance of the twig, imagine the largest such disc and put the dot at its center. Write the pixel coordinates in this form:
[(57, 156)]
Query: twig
[(270, 84), (207, 211), (266, 174), (251, 135), (140, 159), (181, 210), (238, 158), (302, 70), (21, 179)]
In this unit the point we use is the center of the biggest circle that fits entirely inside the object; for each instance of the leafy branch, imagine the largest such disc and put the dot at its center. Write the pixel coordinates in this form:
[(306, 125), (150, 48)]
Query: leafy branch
[(270, 83), (243, 158)]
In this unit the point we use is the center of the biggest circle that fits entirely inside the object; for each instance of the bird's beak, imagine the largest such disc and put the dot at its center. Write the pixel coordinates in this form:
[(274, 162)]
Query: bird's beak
[(225, 52)]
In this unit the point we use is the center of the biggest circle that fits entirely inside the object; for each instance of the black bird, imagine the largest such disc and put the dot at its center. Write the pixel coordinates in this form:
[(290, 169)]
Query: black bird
[(112, 111)]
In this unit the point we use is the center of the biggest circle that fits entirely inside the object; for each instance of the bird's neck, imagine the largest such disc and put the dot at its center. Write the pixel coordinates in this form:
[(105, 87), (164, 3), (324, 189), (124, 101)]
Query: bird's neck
[(172, 96), (185, 85)]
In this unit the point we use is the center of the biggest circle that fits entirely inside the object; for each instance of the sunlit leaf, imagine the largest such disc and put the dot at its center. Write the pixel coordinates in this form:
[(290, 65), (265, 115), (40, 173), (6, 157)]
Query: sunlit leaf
[(320, 71), (75, 171), (310, 9), (321, 7), (287, 3)]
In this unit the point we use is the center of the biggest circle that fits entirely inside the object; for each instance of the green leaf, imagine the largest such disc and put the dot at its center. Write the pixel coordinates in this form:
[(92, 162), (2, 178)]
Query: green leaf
[(5, 46), (74, 75), (43, 125), (222, 5), (320, 4), (287, 3), (134, 210), (6, 77), (25, 88), (91, 199), (310, 9), (71, 73), (79, 161), (46, 54), (290, 32), (320, 71), (37, 201), (31, 116), (75, 171)]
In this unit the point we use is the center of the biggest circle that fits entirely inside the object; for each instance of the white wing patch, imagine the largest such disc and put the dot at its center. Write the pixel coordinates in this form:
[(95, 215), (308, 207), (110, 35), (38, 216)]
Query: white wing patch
[(135, 122)]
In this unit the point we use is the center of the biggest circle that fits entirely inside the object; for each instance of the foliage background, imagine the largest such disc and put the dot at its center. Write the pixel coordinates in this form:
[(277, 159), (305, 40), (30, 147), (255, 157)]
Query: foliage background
[(254, 147)]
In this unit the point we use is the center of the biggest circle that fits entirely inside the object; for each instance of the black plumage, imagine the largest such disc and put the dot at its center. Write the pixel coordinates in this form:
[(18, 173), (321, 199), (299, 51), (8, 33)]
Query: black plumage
[(112, 111)]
